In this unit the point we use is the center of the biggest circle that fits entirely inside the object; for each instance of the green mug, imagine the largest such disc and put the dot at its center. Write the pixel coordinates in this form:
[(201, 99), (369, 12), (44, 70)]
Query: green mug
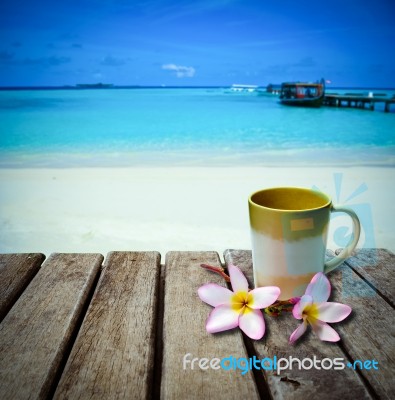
[(289, 230)]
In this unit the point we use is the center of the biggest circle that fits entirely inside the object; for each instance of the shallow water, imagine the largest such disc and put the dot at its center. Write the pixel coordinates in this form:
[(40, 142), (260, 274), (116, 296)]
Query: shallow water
[(184, 126)]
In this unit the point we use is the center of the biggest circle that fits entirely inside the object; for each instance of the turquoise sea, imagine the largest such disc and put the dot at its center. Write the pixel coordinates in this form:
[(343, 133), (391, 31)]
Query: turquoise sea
[(181, 126)]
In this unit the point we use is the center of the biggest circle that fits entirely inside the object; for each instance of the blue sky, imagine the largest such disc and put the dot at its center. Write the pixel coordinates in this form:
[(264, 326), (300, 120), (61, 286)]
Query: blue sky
[(203, 42)]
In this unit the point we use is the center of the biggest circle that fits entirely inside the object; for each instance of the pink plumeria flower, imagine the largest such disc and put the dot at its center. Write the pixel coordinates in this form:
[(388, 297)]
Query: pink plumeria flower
[(315, 310), (238, 308)]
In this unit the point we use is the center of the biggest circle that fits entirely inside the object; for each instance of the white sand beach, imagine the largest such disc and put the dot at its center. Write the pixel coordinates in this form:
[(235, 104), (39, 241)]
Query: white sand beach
[(171, 208)]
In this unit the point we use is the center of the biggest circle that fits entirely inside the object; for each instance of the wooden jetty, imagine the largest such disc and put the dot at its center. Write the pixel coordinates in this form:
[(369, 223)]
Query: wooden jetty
[(358, 100)]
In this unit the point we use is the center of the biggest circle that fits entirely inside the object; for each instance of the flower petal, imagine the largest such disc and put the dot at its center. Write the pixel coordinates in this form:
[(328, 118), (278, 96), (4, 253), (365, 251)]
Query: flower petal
[(237, 279), (221, 319), (298, 332), (251, 322), (333, 312), (214, 294), (264, 296), (319, 288), (324, 331), (298, 308)]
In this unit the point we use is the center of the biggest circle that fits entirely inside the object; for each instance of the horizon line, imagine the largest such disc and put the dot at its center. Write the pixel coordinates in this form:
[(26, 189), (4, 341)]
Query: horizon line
[(76, 87)]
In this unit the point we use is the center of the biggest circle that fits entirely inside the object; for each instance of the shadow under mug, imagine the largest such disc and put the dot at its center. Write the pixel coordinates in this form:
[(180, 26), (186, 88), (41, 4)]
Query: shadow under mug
[(289, 230)]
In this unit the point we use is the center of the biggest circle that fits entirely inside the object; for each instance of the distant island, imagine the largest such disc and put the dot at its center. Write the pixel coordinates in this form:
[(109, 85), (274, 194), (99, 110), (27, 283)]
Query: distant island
[(94, 85)]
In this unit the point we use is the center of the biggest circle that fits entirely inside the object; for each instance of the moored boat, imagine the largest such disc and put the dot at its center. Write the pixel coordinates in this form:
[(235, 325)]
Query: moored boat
[(304, 94)]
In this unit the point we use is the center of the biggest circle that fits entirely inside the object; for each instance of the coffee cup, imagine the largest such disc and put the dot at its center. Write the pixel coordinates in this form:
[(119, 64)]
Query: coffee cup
[(289, 230)]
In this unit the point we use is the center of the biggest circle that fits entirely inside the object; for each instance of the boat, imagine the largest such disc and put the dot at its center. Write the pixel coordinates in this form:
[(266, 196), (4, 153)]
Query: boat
[(303, 94)]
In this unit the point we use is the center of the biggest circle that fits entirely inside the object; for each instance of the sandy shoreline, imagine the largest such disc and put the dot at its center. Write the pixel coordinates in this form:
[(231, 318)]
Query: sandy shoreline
[(362, 156), (173, 208)]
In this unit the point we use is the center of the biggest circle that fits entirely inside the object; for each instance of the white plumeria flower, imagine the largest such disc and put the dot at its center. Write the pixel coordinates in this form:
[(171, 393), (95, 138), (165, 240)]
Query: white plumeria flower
[(238, 308), (315, 310)]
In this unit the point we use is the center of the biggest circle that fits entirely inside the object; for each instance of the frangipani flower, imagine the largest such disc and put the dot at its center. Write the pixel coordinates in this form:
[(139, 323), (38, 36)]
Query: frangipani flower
[(238, 308), (315, 310)]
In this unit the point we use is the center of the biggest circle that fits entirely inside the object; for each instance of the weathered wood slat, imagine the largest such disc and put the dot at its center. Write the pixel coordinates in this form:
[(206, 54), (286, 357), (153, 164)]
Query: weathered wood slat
[(299, 384), (184, 332), (114, 352), (36, 333), (16, 272), (377, 267), (368, 334)]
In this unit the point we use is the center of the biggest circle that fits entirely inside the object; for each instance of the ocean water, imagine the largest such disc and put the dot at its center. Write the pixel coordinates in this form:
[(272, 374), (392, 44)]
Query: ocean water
[(122, 127)]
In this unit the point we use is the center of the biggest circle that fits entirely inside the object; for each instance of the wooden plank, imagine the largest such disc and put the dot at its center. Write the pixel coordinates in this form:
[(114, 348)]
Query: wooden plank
[(36, 333), (299, 384), (368, 334), (184, 332), (16, 272), (377, 267), (114, 352)]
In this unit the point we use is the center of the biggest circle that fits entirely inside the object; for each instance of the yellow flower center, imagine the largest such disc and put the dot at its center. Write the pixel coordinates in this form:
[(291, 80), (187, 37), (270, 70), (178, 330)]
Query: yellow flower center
[(242, 301), (310, 313)]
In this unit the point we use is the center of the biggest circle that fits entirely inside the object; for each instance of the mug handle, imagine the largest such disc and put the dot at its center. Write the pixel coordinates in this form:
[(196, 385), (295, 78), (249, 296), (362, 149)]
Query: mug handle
[(346, 252)]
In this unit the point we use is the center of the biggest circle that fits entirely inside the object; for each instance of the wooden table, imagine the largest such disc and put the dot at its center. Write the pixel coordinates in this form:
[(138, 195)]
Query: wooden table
[(74, 327)]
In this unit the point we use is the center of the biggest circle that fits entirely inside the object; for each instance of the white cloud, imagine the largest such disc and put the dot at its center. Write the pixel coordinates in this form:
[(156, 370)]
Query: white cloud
[(180, 70)]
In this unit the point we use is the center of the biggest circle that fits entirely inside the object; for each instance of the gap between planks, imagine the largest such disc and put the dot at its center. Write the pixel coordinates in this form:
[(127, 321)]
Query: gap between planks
[(45, 317)]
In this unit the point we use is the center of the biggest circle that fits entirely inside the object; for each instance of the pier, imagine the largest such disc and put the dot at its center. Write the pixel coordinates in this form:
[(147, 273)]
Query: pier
[(358, 101)]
